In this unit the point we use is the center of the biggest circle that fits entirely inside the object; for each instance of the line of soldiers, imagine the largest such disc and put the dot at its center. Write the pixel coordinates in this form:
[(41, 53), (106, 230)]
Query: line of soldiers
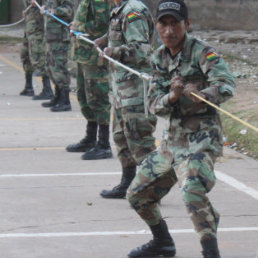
[(181, 65), (45, 52)]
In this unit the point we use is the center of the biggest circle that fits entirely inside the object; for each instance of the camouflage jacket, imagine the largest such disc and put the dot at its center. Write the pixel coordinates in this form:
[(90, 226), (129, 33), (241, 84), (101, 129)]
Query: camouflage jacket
[(34, 21), (92, 17), (197, 63), (63, 9), (130, 34)]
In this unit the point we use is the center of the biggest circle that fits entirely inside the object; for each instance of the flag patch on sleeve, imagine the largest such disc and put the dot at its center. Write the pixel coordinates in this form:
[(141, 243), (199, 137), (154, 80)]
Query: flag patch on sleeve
[(133, 16), (211, 56)]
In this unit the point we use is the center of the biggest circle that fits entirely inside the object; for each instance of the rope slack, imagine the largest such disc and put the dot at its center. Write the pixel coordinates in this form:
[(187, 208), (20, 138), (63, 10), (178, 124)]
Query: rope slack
[(18, 22), (12, 24), (145, 77)]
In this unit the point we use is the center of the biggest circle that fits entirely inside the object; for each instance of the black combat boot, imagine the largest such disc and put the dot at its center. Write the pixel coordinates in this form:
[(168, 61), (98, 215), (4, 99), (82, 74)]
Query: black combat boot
[(102, 150), (54, 100), (88, 142), (63, 103), (47, 92), (210, 248), (162, 244), (119, 191), (28, 89)]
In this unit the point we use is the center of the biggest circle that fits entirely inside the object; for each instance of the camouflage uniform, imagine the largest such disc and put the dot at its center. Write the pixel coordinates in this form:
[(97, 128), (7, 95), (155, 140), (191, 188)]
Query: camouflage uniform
[(92, 80), (25, 56), (33, 50), (193, 138), (58, 39), (130, 33), (92, 73)]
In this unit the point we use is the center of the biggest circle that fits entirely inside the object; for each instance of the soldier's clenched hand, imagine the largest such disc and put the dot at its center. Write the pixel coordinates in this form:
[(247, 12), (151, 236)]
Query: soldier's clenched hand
[(42, 9), (72, 28), (100, 42), (190, 87), (177, 87), (33, 3), (108, 51)]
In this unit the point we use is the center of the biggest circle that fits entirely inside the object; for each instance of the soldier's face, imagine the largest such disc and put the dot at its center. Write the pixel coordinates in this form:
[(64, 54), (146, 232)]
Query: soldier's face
[(172, 32)]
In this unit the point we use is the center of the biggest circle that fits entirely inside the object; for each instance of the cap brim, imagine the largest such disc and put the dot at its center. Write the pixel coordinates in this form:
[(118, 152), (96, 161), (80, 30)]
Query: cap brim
[(172, 13)]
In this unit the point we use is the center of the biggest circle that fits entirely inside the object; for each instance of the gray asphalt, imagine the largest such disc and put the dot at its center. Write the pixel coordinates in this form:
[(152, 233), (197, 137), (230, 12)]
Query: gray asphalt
[(50, 205)]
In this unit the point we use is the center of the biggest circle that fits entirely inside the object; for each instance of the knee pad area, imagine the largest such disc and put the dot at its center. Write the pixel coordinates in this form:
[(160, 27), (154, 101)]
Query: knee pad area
[(193, 189)]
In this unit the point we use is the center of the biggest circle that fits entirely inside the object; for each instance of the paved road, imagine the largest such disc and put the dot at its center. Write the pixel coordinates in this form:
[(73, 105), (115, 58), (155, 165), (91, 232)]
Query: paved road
[(49, 199)]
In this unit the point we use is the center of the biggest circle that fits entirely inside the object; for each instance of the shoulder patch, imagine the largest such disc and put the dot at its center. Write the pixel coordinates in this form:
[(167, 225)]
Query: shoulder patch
[(211, 56), (133, 16)]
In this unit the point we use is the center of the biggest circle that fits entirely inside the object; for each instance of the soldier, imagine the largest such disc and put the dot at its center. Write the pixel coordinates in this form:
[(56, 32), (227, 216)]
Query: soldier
[(193, 138), (129, 41), (33, 52), (92, 17), (58, 38)]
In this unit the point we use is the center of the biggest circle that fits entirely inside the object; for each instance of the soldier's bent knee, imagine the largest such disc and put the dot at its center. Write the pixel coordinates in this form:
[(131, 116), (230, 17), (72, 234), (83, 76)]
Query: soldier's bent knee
[(193, 190), (131, 197)]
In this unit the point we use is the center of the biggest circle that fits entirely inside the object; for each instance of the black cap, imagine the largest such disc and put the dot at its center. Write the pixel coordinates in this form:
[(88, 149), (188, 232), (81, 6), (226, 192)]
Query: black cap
[(176, 8)]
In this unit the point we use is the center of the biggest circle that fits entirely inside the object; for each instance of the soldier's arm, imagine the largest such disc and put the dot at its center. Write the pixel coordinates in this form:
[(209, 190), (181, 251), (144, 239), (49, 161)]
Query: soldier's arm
[(221, 82), (98, 25), (65, 9), (159, 94), (136, 31)]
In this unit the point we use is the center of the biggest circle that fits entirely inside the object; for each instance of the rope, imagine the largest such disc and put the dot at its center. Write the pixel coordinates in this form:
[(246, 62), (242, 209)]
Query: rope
[(18, 22), (225, 112), (12, 24), (143, 76)]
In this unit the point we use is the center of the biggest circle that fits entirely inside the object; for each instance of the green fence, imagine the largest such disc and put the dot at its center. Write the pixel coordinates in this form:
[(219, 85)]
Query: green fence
[(4, 11)]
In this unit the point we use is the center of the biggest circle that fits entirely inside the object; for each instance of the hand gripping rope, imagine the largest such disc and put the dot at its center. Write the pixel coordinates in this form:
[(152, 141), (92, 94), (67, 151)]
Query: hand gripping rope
[(144, 76)]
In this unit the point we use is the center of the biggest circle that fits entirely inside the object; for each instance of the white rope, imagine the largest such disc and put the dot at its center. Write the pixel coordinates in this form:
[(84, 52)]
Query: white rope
[(12, 24), (18, 22), (144, 76)]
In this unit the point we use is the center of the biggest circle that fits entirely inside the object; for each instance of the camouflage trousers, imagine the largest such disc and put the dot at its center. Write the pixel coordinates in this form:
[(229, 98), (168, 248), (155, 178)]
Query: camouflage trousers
[(93, 93), (37, 51), (57, 58), (25, 56), (33, 54), (158, 174), (132, 133)]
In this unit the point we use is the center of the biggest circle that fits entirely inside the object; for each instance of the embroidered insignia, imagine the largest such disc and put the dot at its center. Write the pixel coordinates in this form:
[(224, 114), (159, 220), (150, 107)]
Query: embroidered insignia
[(133, 16), (211, 56), (169, 5)]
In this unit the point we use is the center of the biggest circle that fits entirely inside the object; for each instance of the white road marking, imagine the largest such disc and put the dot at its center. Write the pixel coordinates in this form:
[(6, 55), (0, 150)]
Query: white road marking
[(61, 174), (221, 176), (114, 233), (236, 184)]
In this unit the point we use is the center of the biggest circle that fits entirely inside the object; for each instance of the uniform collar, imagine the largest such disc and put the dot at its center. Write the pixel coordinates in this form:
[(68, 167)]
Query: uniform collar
[(187, 48)]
